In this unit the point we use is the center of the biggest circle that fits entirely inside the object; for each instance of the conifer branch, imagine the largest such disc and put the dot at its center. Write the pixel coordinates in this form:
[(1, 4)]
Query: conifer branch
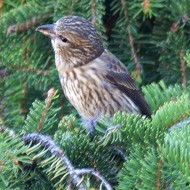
[(22, 27), (183, 68), (131, 42), (48, 143), (158, 179), (175, 26), (93, 12), (24, 91), (51, 93), (1, 6), (92, 172), (29, 70)]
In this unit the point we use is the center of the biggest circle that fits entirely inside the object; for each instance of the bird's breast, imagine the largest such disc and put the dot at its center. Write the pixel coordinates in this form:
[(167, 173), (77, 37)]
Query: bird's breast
[(81, 89), (92, 95)]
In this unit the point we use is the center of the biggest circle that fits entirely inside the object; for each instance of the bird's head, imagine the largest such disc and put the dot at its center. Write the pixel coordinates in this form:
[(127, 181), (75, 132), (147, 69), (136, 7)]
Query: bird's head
[(74, 40)]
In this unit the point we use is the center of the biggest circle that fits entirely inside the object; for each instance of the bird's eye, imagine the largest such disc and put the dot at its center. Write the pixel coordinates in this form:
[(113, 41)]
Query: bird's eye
[(63, 39)]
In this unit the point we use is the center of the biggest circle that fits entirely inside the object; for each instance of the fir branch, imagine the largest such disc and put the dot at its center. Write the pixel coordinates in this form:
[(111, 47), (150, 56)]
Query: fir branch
[(131, 42), (23, 108), (134, 55), (30, 70), (175, 26), (51, 93), (49, 144), (93, 12), (22, 27), (158, 179), (183, 68), (91, 171), (1, 6)]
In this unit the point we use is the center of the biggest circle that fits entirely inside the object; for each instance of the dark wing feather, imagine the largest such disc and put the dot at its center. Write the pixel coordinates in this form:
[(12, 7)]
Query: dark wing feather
[(124, 82)]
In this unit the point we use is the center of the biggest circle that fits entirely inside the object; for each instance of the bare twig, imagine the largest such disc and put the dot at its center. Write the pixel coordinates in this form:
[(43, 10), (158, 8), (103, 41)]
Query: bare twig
[(183, 68), (49, 144), (131, 41), (22, 27), (91, 171), (51, 93)]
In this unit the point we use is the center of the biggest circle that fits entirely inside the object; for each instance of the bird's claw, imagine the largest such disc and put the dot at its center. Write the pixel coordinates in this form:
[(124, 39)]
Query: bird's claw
[(113, 128)]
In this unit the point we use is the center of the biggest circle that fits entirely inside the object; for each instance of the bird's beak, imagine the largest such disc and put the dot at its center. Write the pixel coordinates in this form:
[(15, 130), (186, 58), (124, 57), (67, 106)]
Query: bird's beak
[(48, 30)]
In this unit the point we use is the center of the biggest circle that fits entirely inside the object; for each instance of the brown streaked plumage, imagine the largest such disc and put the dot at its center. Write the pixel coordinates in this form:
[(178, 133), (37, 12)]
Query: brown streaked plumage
[(95, 82)]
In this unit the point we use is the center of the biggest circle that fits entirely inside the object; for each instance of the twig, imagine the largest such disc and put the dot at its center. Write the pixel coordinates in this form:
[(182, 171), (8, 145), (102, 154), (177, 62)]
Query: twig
[(158, 178), (30, 70), (183, 68), (175, 26), (91, 171), (93, 12), (49, 144), (24, 99), (131, 41), (24, 90), (51, 93), (1, 6), (22, 27)]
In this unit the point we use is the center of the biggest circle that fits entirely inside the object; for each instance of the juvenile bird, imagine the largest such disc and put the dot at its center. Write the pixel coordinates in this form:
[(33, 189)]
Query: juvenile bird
[(94, 81)]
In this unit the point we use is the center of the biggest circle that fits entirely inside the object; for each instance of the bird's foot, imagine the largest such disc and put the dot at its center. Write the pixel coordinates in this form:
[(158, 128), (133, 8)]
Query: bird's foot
[(112, 128)]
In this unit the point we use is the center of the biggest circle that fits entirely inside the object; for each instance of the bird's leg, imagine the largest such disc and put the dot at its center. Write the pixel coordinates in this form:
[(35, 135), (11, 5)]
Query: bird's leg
[(91, 124)]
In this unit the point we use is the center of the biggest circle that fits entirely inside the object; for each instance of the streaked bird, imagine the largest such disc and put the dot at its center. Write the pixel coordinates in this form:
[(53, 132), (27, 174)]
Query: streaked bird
[(95, 81)]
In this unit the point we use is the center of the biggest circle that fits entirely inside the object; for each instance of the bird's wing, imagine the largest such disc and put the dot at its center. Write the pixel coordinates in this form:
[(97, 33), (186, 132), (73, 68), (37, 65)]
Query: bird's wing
[(123, 82), (121, 78), (115, 73)]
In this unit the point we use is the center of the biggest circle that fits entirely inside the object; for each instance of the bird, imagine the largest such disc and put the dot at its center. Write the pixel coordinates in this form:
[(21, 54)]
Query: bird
[(93, 79)]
